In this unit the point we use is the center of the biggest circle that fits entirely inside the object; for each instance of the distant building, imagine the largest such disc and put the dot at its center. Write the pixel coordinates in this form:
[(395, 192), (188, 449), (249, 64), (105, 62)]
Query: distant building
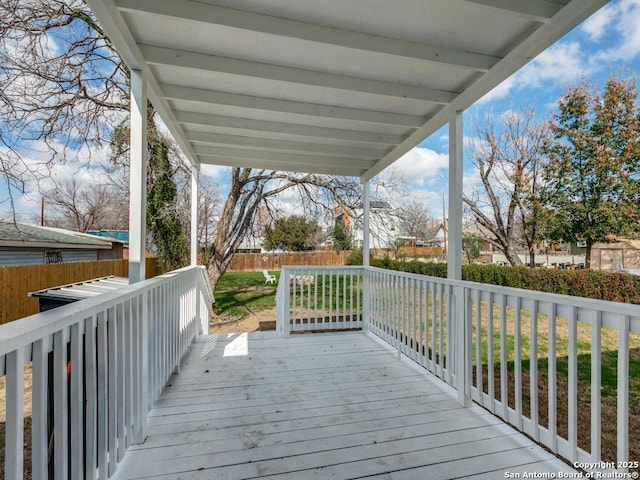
[(622, 254), (22, 244), (384, 224)]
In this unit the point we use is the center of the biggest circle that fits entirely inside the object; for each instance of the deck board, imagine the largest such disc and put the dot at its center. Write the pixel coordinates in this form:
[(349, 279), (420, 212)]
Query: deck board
[(337, 405)]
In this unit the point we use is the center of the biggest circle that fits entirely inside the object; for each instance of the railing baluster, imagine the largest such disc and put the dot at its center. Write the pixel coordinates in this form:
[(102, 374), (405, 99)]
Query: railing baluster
[(490, 363), (479, 382), (112, 397), (76, 433), (120, 431), (573, 385), (434, 321), (39, 407), (421, 319), (315, 299), (14, 426), (309, 298), (517, 326), (440, 357), (596, 385), (91, 385), (102, 395), (413, 313), (552, 380), (504, 393), (533, 371), (129, 366), (60, 409), (623, 390)]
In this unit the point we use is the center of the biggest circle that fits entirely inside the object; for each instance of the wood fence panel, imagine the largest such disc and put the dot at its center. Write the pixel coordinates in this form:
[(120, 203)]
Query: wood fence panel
[(252, 262), (17, 281)]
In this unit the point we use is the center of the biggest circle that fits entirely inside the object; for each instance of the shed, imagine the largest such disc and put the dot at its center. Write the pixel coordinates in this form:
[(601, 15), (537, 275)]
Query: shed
[(622, 254), (64, 294)]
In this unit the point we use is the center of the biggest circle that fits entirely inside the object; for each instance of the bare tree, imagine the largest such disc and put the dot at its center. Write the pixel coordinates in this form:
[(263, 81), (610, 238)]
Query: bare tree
[(251, 189), (504, 203), (62, 86), (83, 207), (416, 220)]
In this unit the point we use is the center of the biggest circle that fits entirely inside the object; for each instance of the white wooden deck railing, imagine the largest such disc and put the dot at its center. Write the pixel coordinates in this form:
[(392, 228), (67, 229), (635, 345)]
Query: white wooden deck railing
[(319, 298), (96, 367), (494, 351)]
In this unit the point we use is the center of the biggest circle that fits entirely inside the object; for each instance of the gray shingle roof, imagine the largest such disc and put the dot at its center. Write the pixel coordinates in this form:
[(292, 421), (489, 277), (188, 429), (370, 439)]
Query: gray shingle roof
[(18, 233)]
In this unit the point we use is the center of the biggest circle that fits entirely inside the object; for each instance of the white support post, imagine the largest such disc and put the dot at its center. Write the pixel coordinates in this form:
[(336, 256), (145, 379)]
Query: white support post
[(366, 224), (366, 256), (194, 215), (454, 266), (138, 178)]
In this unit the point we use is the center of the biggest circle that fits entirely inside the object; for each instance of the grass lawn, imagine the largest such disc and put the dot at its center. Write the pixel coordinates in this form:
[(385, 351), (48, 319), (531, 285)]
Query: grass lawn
[(240, 293)]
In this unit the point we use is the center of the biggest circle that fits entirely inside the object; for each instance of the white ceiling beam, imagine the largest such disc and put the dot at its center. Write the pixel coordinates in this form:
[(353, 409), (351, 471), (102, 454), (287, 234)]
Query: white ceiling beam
[(284, 145), (280, 157), (537, 10), (212, 97), (308, 131), (199, 61), (283, 27), (344, 169)]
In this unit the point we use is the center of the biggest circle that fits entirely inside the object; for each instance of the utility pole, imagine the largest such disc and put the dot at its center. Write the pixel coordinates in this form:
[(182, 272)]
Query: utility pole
[(42, 212)]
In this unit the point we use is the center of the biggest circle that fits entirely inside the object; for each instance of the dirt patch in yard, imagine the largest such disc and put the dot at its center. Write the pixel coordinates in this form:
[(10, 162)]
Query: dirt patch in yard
[(253, 322)]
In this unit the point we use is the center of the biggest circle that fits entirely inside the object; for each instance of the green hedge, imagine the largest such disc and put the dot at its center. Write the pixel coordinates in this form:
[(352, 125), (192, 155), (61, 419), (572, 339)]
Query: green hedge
[(616, 287)]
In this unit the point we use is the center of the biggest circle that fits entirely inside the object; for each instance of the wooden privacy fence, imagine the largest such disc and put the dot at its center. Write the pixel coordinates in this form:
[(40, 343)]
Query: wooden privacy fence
[(248, 262), (17, 281)]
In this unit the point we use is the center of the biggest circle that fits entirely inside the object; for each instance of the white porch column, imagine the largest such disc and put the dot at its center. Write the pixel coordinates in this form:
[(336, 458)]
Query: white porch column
[(366, 224), (454, 250), (194, 214), (462, 340), (138, 178), (366, 255)]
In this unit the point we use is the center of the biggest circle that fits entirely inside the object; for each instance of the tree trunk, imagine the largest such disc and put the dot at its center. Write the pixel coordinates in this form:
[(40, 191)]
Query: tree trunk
[(512, 256), (532, 256), (587, 254)]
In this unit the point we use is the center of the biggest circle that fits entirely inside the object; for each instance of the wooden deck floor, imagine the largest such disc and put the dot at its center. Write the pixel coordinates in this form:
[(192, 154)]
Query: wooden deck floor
[(319, 406)]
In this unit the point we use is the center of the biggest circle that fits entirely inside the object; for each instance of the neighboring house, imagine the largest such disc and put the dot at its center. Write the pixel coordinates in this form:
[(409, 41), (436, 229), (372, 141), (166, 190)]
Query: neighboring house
[(22, 244), (384, 221)]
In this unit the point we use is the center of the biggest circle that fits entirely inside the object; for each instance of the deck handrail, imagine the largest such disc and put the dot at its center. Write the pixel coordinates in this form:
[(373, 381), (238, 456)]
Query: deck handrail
[(443, 325), (106, 359)]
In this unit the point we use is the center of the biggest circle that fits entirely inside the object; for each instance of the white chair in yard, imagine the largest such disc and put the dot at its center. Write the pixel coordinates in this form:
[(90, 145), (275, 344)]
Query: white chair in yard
[(268, 278)]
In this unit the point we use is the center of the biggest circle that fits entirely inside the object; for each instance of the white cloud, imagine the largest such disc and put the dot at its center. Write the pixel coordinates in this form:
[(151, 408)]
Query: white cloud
[(214, 171), (419, 165), (561, 63), (597, 25), (620, 20)]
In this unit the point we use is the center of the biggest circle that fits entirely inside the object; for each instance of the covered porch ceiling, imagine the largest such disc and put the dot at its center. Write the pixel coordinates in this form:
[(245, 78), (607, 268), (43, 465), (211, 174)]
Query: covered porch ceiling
[(341, 87)]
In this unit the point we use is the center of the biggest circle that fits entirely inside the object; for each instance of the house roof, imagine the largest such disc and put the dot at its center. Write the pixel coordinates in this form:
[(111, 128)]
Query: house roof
[(335, 87), (121, 236), (22, 235)]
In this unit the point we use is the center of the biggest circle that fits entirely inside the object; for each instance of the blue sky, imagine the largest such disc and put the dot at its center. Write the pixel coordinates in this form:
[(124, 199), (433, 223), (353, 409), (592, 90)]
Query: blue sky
[(608, 42)]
